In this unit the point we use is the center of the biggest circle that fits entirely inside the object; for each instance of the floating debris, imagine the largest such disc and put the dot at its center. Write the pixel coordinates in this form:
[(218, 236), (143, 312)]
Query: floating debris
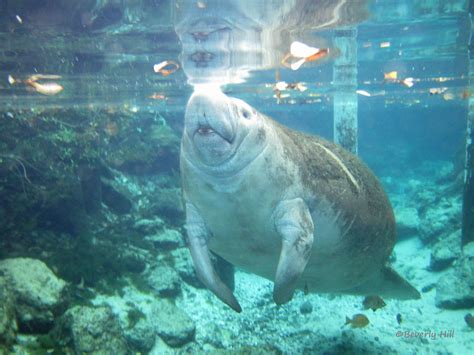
[(373, 302), (49, 88), (283, 85), (301, 50), (303, 53), (437, 91), (448, 96), (156, 96), (19, 19), (201, 4), (166, 67), (393, 75), (363, 93), (408, 82), (357, 321)]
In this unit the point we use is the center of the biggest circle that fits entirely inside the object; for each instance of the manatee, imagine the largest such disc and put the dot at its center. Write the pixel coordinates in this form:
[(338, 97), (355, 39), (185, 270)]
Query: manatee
[(293, 208)]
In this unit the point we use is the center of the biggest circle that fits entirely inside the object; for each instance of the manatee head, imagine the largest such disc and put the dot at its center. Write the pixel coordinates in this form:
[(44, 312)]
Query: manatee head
[(222, 135)]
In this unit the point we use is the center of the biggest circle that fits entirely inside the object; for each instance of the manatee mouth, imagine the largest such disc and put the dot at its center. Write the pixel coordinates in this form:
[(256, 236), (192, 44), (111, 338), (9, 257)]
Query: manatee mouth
[(205, 131)]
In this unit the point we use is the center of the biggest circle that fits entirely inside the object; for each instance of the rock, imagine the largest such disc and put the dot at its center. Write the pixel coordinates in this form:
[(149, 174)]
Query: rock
[(455, 289), (90, 330), (408, 222), (183, 264), (173, 325), (168, 239), (440, 219), (39, 294), (142, 335), (165, 281), (115, 200), (445, 251), (306, 307), (8, 325), (148, 226), (168, 204)]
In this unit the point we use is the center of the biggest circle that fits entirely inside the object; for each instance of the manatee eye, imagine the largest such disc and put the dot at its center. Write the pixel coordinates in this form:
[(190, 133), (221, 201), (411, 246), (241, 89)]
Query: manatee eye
[(246, 114), (205, 130)]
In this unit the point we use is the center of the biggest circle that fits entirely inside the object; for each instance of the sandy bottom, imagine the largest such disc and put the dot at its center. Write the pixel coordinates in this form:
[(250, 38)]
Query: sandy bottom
[(425, 329)]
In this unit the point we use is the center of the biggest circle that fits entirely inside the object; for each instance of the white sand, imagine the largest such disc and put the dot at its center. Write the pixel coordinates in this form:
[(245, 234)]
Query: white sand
[(262, 322)]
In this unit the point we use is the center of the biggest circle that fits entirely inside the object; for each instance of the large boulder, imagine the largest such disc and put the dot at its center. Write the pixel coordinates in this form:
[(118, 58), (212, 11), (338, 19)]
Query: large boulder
[(445, 251), (408, 222), (183, 264), (168, 239), (455, 289), (165, 281), (39, 294), (91, 330), (141, 335), (8, 325), (173, 325)]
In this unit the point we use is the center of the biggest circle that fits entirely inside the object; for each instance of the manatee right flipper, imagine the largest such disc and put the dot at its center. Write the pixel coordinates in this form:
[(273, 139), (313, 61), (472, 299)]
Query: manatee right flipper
[(294, 224), (198, 234), (387, 283)]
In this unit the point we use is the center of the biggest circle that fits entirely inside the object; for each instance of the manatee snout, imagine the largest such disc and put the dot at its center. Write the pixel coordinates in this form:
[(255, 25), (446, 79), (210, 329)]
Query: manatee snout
[(210, 126)]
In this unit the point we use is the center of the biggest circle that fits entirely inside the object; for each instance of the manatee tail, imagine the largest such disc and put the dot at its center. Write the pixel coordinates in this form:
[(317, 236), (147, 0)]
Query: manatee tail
[(387, 283)]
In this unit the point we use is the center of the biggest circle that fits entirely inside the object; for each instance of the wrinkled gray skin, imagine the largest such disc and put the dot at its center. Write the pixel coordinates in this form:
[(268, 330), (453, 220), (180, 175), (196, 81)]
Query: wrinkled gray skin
[(284, 205)]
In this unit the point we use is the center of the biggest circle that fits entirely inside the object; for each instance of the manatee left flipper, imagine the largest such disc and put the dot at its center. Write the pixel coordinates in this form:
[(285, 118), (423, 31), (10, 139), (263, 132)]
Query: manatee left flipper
[(295, 226), (198, 235)]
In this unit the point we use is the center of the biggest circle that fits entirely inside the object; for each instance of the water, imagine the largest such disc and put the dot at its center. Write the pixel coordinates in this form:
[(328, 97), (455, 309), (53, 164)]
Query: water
[(91, 183)]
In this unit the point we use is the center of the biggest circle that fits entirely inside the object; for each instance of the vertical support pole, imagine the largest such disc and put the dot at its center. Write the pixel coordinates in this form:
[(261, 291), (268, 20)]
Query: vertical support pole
[(345, 99), (468, 194)]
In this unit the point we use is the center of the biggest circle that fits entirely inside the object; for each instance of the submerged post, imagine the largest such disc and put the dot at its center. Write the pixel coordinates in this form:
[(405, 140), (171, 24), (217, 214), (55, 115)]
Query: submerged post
[(468, 194), (345, 85)]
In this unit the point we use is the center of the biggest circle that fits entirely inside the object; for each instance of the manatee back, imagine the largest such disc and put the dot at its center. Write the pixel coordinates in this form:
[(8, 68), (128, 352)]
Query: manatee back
[(361, 209)]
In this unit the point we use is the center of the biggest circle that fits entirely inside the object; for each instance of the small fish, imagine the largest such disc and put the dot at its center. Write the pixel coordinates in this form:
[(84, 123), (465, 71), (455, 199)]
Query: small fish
[(306, 289), (393, 75), (399, 318), (357, 321), (469, 320), (373, 303), (201, 4), (162, 67), (385, 45)]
